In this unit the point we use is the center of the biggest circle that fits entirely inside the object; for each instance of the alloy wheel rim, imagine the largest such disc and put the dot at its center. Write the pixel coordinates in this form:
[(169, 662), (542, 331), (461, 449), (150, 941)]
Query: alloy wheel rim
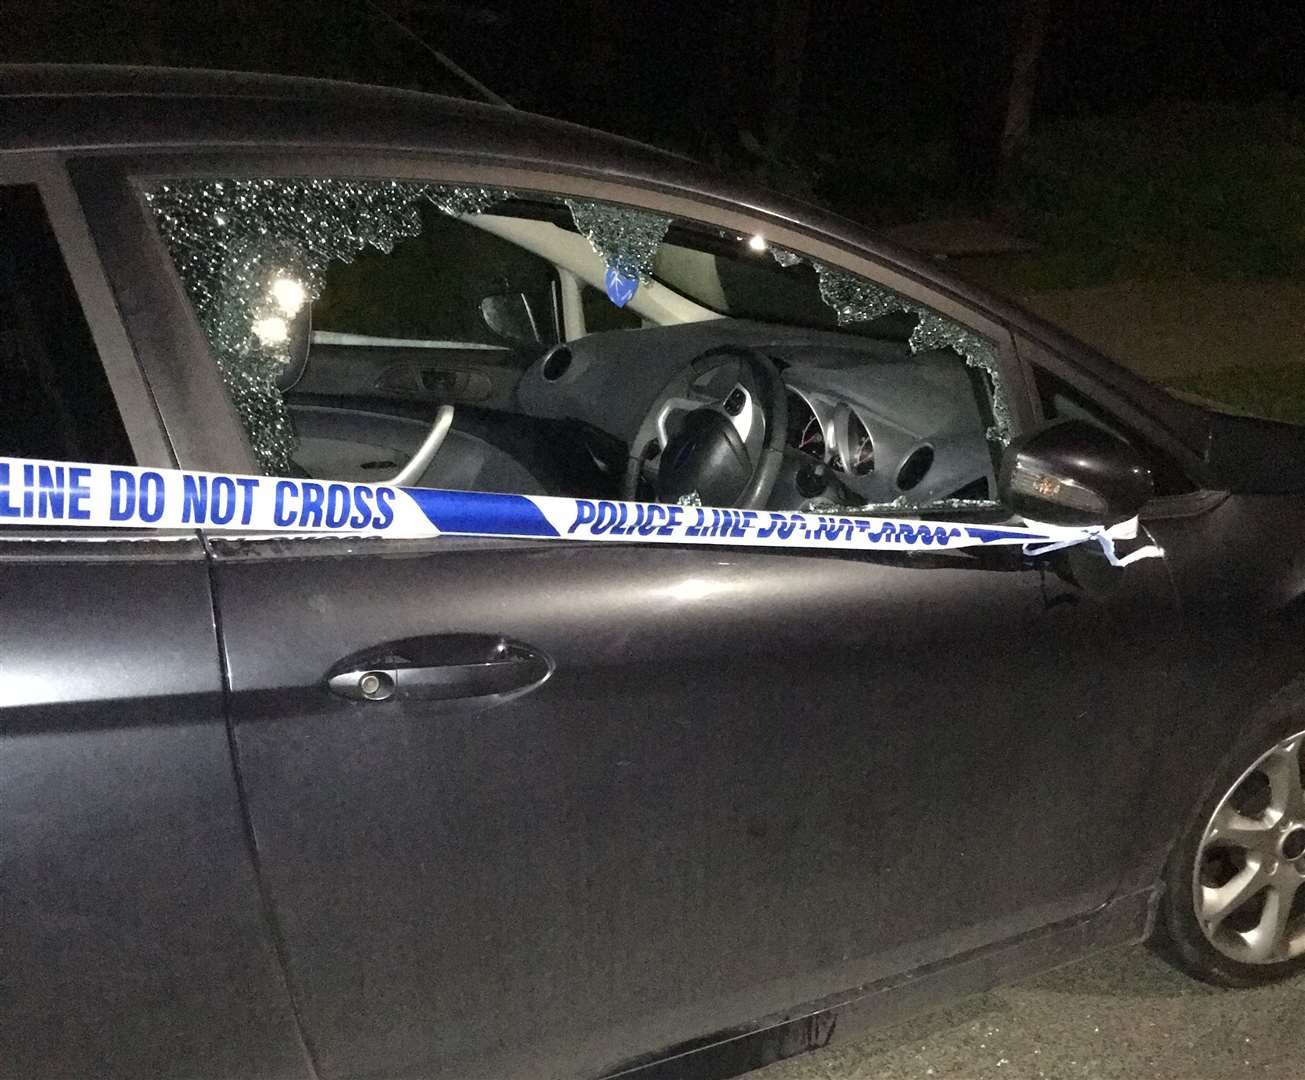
[(1248, 884)]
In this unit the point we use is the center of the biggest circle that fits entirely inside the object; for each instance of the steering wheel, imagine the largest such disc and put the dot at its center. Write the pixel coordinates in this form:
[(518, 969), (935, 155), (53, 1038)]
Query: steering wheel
[(727, 445)]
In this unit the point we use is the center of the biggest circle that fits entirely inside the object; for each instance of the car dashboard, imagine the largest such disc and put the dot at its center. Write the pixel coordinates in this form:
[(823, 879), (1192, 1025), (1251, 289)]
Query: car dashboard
[(868, 421)]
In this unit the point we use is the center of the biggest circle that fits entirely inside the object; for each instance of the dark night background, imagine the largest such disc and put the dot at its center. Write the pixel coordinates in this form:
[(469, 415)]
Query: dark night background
[(1114, 143), (819, 87)]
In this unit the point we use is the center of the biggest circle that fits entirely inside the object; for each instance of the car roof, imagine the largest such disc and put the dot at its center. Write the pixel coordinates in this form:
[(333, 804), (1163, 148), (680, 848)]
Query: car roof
[(173, 107)]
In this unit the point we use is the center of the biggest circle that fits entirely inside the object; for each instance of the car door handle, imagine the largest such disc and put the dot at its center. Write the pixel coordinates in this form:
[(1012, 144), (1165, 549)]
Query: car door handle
[(509, 669)]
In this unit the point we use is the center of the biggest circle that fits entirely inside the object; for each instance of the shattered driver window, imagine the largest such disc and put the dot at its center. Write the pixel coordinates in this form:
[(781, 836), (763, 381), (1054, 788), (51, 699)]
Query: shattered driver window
[(347, 316), (252, 255)]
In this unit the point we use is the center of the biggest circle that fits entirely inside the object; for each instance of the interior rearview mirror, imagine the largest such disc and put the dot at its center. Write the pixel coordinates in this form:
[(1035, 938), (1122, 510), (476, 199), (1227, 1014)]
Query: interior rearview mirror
[(511, 317), (1072, 472)]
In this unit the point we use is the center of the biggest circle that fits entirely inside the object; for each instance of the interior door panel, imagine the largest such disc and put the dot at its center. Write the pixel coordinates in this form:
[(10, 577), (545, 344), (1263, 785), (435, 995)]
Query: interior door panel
[(371, 446), (484, 376)]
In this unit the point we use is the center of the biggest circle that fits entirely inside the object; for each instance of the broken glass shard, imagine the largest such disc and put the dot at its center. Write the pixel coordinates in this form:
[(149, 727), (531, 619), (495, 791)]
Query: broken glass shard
[(626, 239)]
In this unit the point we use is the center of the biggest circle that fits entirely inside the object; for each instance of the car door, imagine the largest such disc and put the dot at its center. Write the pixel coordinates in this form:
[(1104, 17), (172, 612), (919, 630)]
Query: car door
[(132, 932), (705, 784)]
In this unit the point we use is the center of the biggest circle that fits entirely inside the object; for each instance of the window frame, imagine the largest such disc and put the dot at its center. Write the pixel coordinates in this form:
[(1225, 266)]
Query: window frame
[(175, 353), (145, 430)]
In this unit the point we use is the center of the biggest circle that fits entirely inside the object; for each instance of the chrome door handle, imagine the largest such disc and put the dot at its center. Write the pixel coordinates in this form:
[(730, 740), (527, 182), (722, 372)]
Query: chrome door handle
[(508, 669)]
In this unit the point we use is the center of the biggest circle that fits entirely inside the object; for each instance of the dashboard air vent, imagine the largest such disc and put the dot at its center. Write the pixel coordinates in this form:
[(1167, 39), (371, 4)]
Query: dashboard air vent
[(555, 364)]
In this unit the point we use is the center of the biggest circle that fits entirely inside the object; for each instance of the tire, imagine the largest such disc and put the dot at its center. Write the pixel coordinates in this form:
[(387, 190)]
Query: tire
[(1233, 907)]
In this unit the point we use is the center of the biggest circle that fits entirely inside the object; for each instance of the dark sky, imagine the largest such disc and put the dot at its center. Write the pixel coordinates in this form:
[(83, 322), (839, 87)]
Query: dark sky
[(670, 70)]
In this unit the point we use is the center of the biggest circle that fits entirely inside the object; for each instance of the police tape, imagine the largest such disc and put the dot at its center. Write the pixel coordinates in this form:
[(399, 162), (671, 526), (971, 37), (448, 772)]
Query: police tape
[(62, 494)]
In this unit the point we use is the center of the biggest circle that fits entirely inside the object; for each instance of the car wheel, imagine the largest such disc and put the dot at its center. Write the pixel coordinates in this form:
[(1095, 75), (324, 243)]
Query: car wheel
[(1233, 911)]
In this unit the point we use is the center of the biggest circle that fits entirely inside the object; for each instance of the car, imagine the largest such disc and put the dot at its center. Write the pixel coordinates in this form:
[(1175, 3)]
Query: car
[(289, 795)]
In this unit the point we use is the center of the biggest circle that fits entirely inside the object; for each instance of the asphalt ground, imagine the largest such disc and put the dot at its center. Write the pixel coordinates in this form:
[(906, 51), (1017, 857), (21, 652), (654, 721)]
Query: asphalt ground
[(1125, 1015)]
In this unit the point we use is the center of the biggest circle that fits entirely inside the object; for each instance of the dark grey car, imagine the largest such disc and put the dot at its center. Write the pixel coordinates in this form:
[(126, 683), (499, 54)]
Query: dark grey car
[(655, 810)]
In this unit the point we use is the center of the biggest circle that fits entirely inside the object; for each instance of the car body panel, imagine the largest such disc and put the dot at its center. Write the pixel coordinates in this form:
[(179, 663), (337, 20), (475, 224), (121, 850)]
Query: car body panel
[(1238, 568), (133, 935), (844, 1017)]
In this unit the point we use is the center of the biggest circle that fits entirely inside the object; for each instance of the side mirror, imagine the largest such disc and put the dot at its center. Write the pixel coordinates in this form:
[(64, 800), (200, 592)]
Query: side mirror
[(1074, 473), (510, 316)]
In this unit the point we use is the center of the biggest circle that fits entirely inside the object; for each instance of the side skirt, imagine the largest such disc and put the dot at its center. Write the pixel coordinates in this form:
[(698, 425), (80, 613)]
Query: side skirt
[(1125, 920)]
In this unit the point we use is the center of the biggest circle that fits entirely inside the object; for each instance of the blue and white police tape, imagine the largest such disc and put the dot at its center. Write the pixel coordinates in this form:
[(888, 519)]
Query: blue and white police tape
[(59, 493)]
